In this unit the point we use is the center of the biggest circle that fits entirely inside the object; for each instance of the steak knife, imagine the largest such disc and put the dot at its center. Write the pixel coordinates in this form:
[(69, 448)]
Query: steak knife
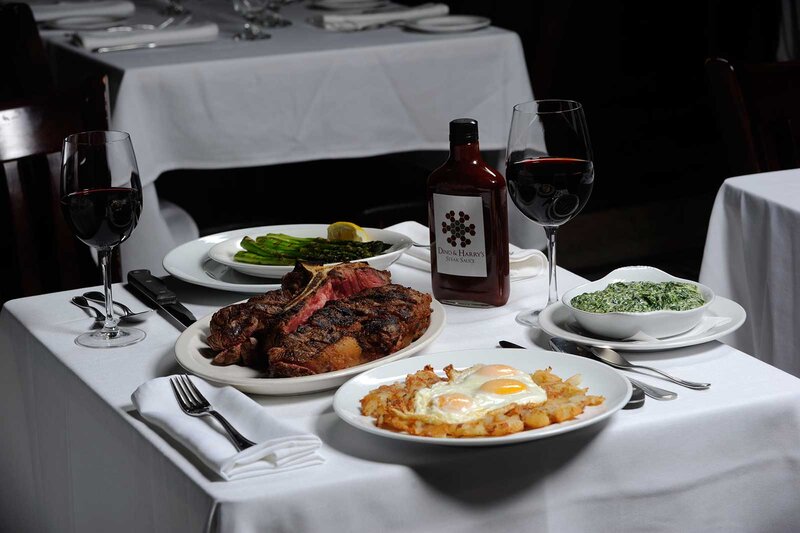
[(155, 292)]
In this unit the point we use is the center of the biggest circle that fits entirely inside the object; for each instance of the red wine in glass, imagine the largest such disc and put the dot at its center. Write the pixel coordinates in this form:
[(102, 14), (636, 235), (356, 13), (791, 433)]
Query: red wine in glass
[(102, 218), (550, 190), (101, 199)]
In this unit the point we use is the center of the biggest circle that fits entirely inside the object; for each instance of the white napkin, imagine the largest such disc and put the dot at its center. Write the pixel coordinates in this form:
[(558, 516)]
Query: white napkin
[(61, 10), (359, 21), (279, 448), (706, 323), (185, 34), (523, 263)]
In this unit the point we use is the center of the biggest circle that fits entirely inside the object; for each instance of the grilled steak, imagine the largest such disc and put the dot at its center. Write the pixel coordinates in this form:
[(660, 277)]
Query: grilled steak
[(352, 331), (241, 332)]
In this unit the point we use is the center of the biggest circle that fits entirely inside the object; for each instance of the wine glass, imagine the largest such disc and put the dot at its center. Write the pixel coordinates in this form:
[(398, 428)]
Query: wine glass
[(549, 171), (101, 198)]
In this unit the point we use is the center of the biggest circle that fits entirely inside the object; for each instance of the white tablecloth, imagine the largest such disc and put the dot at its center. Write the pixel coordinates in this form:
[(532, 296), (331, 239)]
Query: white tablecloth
[(75, 457), (305, 94), (752, 255)]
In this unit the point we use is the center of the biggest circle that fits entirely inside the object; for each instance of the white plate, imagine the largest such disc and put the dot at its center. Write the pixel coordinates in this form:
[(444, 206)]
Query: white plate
[(189, 262), (224, 251), (557, 321), (349, 5), (448, 24), (92, 22), (191, 351), (598, 377)]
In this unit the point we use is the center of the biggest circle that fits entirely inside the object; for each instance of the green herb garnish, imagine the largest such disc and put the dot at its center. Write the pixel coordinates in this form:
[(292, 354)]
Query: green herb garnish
[(640, 297)]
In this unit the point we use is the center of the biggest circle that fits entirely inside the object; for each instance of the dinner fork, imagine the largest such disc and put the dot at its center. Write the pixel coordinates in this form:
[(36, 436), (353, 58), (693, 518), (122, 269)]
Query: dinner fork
[(194, 403)]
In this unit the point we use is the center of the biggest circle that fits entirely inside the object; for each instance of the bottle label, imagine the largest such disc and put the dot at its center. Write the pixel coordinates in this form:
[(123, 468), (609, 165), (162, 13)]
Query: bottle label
[(460, 243)]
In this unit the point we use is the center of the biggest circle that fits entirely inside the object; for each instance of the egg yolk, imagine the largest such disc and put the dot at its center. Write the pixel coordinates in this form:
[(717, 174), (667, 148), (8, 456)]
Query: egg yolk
[(454, 402), (497, 371), (503, 386)]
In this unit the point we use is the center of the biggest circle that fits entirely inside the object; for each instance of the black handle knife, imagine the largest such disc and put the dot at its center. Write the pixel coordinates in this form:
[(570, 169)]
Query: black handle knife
[(154, 290)]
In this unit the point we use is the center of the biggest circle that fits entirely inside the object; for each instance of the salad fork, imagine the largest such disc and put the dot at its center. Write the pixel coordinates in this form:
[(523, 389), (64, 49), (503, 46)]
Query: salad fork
[(193, 403)]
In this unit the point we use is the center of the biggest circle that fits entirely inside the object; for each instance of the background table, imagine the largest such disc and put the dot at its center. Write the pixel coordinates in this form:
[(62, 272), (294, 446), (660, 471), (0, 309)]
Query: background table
[(305, 94), (74, 456), (752, 255)]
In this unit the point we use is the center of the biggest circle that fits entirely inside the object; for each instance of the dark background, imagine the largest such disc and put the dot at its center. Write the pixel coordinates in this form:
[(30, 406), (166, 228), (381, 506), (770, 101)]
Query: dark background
[(638, 69)]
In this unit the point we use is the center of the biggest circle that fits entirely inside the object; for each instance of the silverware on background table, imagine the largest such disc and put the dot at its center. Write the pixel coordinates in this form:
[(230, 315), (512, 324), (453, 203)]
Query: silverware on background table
[(128, 313), (156, 293), (613, 358), (637, 397), (193, 403)]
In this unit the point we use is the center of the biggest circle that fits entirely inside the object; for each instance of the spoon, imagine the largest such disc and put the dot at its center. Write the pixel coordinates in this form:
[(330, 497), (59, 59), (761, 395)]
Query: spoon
[(81, 302), (657, 393), (613, 358), (128, 314)]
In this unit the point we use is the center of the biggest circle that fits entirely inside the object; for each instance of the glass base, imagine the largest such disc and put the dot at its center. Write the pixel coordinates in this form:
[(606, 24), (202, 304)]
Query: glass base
[(113, 339), (528, 318)]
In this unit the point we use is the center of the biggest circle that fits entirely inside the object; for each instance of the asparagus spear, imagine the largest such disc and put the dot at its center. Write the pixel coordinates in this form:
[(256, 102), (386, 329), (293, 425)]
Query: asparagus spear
[(280, 249)]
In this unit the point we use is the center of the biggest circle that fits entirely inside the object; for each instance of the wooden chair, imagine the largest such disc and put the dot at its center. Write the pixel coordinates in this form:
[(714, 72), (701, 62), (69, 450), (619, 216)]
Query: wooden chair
[(758, 112), (39, 252), (23, 61)]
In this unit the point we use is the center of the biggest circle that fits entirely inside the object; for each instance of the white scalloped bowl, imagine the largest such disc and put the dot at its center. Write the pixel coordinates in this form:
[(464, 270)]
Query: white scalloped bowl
[(619, 325)]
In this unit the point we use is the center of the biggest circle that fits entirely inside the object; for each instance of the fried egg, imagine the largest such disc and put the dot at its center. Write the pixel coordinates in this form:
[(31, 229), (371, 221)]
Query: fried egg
[(473, 392)]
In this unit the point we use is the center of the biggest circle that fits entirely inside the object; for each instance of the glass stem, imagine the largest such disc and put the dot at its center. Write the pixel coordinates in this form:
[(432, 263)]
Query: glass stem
[(104, 257), (550, 231)]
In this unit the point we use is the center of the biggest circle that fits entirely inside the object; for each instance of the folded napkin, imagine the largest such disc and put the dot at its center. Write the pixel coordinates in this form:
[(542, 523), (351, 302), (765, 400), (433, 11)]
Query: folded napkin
[(62, 10), (184, 34), (360, 21), (279, 448), (523, 263), (706, 323)]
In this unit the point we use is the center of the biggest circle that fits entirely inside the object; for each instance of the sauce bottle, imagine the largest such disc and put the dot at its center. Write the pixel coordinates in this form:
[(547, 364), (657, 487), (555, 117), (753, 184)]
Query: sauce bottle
[(468, 222)]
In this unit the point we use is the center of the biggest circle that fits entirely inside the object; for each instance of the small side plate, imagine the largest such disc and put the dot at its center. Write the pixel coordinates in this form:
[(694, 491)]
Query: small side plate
[(448, 24)]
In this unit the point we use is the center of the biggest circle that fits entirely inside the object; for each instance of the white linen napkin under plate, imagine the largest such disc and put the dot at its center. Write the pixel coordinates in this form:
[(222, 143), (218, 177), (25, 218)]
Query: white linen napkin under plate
[(279, 447), (61, 10), (185, 34), (360, 21), (523, 263)]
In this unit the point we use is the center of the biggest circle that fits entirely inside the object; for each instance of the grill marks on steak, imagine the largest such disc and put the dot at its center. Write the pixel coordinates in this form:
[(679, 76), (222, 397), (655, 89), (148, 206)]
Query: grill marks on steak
[(328, 284), (242, 332), (352, 331)]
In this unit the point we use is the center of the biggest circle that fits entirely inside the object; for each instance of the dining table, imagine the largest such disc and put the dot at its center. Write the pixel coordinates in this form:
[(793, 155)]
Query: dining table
[(751, 255), (75, 455), (304, 94)]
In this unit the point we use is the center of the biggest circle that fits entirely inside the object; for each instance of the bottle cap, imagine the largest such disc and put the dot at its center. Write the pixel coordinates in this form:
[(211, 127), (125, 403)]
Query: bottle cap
[(463, 130)]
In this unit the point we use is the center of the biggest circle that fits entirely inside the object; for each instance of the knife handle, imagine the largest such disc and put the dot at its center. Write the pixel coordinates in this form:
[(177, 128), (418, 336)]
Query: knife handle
[(151, 286)]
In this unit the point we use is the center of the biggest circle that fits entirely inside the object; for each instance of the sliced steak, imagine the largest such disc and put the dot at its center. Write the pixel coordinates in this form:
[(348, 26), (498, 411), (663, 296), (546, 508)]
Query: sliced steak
[(351, 331), (326, 284)]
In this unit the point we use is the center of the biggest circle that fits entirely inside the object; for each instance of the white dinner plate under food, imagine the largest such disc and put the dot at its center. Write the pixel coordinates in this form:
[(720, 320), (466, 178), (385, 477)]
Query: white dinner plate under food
[(349, 5), (224, 251), (448, 24), (194, 355), (598, 377), (557, 321), (189, 262), (87, 23)]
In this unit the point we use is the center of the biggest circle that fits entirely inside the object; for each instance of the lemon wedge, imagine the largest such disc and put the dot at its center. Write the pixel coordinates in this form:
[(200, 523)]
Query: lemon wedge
[(347, 231)]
